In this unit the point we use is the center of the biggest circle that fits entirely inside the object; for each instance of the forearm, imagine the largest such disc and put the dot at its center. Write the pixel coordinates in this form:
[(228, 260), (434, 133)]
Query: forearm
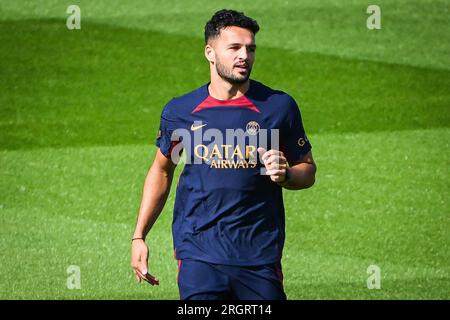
[(156, 190), (301, 176)]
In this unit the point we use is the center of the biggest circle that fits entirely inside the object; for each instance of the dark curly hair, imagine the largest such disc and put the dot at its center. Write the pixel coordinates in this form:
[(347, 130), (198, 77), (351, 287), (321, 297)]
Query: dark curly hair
[(227, 18)]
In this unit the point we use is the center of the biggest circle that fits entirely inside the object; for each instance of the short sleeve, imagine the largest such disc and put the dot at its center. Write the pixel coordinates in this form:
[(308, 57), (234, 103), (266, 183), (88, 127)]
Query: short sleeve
[(295, 143), (165, 139)]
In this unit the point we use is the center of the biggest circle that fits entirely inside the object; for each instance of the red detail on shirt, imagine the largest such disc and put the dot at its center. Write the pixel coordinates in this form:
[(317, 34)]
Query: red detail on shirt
[(211, 102), (172, 145)]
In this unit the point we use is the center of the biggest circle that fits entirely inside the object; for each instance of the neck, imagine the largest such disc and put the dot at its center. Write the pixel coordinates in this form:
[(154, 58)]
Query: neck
[(223, 90)]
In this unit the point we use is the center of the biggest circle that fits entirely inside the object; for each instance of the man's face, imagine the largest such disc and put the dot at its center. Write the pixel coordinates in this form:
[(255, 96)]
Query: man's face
[(234, 52)]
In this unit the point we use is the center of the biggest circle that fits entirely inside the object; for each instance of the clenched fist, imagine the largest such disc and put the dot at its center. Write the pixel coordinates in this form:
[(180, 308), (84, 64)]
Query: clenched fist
[(275, 163)]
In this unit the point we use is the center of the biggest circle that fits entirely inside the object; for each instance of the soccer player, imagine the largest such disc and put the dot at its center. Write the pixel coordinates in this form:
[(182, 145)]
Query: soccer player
[(228, 220)]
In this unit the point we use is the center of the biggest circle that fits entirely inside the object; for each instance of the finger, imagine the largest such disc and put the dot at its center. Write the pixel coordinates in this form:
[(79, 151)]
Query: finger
[(147, 277), (142, 277), (143, 263), (277, 178), (276, 166), (267, 155), (276, 172), (274, 154), (261, 152), (136, 276), (276, 159)]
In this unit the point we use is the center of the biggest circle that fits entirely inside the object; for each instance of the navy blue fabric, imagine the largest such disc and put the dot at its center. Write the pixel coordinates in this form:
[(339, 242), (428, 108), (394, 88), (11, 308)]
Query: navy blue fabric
[(231, 216), (198, 280)]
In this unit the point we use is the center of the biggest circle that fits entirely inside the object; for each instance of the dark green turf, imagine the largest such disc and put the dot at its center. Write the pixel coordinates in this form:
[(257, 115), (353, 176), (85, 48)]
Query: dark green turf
[(107, 86)]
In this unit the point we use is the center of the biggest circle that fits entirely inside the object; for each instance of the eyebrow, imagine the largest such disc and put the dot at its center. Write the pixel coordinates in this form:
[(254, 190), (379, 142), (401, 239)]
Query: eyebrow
[(240, 44)]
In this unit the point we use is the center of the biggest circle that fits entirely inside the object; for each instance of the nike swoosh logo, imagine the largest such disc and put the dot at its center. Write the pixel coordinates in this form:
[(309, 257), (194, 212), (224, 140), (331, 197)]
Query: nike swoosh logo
[(193, 127)]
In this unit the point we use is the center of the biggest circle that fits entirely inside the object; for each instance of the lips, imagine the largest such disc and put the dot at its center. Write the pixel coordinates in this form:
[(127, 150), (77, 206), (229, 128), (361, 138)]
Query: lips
[(241, 66)]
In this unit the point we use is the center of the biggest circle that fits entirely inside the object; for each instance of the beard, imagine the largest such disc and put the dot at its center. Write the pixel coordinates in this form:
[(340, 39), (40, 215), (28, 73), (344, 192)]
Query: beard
[(227, 73)]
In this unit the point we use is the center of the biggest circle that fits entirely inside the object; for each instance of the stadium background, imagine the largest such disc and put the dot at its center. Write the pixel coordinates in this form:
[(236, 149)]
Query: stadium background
[(80, 111)]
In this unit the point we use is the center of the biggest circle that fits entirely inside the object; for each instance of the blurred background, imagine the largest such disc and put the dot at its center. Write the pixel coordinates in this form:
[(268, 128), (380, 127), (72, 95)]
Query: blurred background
[(80, 112)]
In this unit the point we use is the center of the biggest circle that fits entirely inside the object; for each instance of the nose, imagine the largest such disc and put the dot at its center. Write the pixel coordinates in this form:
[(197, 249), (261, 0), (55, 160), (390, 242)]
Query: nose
[(243, 53)]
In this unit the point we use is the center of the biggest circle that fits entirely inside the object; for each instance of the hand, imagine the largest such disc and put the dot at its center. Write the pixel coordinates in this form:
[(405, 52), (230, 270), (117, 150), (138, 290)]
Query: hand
[(275, 163), (139, 262)]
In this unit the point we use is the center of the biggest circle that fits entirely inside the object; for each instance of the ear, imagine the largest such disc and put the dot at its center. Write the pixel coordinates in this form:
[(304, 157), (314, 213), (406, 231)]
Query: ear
[(209, 53)]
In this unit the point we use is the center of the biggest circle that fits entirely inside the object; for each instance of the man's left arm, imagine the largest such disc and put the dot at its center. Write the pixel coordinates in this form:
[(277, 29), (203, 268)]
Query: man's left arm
[(301, 175)]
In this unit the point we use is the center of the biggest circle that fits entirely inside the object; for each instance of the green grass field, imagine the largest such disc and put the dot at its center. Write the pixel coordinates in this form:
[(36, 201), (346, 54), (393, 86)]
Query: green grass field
[(80, 111)]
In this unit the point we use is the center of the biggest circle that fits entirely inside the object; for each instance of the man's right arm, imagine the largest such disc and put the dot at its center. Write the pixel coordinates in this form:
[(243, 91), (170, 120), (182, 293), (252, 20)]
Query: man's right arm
[(156, 190)]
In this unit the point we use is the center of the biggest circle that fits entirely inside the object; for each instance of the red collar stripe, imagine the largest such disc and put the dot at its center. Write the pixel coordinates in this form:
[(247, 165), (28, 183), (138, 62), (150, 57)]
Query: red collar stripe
[(211, 102)]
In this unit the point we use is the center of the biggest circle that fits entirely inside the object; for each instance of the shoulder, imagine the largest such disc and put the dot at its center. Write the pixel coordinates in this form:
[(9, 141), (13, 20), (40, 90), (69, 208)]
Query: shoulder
[(177, 106), (283, 101)]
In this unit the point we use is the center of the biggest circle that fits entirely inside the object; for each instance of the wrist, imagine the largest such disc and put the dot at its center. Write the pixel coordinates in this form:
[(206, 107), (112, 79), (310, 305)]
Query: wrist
[(138, 236), (139, 233), (287, 177)]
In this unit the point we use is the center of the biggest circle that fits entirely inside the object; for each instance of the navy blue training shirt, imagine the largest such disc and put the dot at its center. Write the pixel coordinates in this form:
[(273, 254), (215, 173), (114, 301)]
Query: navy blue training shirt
[(226, 211)]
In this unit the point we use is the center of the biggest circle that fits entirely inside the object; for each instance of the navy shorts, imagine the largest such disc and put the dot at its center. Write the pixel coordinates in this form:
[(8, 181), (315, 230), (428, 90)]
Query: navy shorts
[(198, 280)]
